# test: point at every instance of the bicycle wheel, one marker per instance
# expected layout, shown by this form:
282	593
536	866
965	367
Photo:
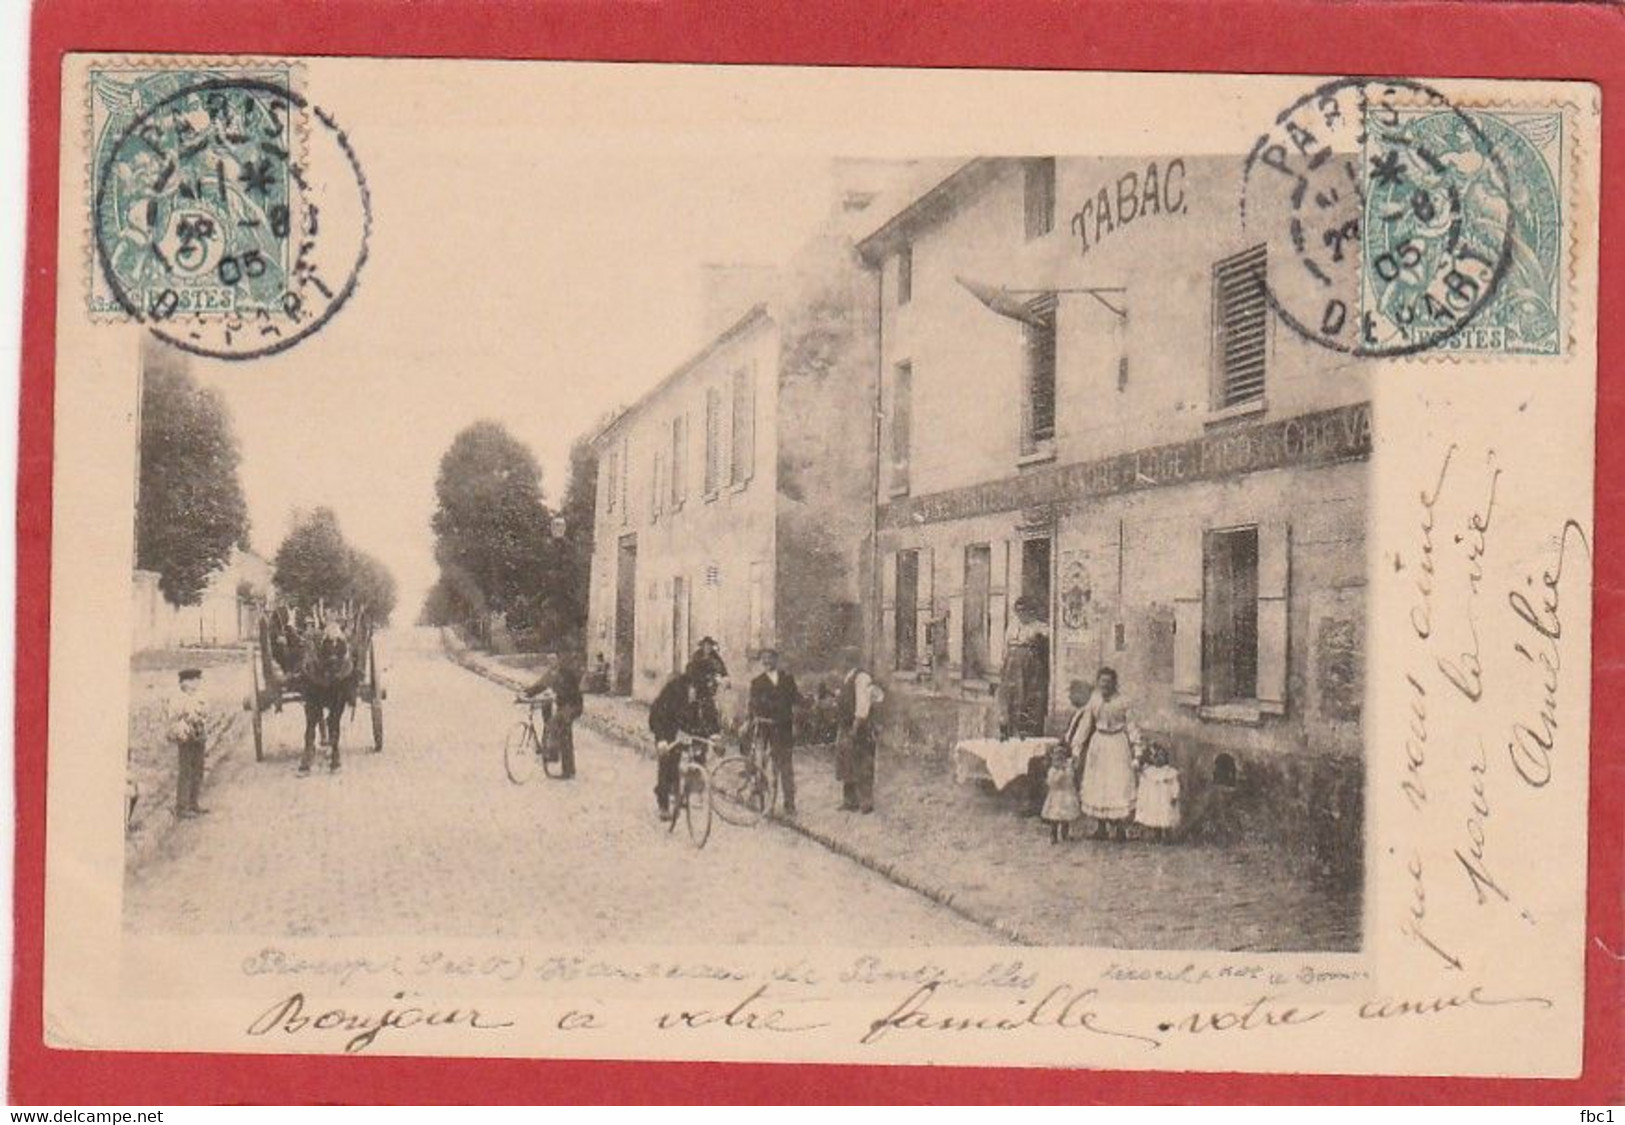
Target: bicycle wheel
552	757
697	806
519	753
736	791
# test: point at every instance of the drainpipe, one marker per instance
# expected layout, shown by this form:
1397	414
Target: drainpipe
871	634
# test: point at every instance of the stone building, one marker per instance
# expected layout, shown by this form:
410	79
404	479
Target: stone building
1087	400
736	497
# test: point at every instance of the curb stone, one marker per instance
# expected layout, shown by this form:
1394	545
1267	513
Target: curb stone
632	740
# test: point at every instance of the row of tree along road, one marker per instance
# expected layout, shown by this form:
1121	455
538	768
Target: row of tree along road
513	571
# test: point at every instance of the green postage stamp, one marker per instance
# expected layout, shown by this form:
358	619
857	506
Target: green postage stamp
1480	191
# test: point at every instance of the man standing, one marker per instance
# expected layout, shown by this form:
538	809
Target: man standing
773	702
855	751
679	709
558	732
189	730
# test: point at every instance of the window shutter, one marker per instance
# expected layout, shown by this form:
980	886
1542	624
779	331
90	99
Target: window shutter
998	608
1188	618
925	607
888	610
955	579
1241	317
744	424
1274	580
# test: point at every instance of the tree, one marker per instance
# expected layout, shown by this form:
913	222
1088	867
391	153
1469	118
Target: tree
190	511
492	528
315	564
579	509
373	586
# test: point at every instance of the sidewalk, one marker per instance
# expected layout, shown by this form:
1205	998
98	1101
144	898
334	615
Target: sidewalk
971	849
152	762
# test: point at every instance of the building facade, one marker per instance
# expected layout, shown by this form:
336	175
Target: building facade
735	498
1087	401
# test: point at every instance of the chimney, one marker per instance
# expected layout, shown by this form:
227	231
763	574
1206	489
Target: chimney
728	290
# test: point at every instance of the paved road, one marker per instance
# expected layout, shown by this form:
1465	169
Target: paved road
429	837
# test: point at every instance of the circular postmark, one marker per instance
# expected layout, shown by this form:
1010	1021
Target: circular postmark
1386	212
231	217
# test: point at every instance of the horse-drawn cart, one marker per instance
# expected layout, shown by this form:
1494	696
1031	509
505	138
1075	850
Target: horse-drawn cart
328	666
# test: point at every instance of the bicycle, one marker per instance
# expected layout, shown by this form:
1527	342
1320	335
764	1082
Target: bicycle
745	788
525	746
692	800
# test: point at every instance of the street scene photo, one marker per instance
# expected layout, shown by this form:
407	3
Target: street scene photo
795	549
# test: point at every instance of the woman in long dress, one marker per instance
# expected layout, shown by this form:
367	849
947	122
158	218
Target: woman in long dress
1110	741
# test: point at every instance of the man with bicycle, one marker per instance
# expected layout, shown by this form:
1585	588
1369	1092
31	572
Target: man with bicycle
680	711
773	715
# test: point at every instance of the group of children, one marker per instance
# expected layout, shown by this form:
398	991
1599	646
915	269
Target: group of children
1102	769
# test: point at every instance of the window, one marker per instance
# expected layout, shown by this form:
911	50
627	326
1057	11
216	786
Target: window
1239	320
1040	196
713	440
625	472
612	487
1038	358
905	275
902	423
1230	615
978	589
1035	569
657	492
907	633
744	424
679	460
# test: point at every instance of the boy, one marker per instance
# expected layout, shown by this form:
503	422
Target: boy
189	730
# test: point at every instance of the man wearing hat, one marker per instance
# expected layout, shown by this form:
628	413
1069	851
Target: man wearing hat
773	700
189	730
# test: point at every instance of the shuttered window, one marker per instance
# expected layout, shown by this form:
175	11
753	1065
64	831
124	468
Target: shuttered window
612	486
1240	316
713	440
905	275
744	424
679	460
1038	353
626	473
1230	612
902	423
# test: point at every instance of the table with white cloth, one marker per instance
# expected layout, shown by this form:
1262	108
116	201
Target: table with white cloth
1002	760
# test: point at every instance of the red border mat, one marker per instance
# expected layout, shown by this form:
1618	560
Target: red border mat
1441	39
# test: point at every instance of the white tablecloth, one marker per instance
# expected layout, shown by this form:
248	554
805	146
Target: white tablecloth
1003	761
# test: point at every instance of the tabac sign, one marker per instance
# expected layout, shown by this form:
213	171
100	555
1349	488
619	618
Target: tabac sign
1322	438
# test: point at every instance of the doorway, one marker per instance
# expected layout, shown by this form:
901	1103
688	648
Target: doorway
626	604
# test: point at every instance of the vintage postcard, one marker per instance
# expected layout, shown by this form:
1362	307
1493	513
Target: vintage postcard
635	561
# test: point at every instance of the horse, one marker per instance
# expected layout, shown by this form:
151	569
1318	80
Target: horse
327	684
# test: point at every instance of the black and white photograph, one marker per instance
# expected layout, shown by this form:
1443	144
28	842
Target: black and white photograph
582	538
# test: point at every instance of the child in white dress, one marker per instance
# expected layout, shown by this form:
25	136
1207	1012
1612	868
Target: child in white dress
1061	806
1156	802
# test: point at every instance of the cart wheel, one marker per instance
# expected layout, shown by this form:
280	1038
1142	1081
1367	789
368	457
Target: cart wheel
256	716
377	727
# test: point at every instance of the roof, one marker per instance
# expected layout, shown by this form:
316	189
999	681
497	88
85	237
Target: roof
930	206
756	313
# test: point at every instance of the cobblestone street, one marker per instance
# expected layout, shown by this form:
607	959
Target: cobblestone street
429	837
